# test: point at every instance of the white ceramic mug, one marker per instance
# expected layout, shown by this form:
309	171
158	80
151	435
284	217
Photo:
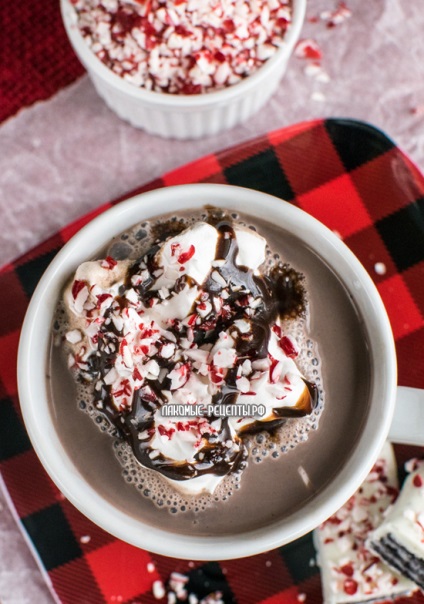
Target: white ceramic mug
377	425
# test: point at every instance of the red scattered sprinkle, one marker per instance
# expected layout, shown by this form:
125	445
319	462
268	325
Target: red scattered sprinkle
229	25
124	405
185	256
124	390
219	56
418	110
190	88
216	375
273	377
373	561
350	587
137	375
182	426
347	570
122	346
277	330
226	312
392	491
339	15
147	394
79	360
166	431
174	248
243	301
418	481
288	348
147	333
109	263
208	325
308	49
77	287
184	374
102	298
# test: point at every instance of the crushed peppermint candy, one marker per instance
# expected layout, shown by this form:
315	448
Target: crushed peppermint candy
183	46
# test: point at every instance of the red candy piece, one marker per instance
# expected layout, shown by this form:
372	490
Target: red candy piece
418	481
185	256
77	287
350	587
288	348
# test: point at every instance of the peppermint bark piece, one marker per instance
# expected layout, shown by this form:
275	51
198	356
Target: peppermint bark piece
350	572
399	540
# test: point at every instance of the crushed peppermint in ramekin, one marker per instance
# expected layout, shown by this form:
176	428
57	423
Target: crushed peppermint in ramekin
183	46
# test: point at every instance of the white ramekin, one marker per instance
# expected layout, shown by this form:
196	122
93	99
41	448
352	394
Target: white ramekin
185	116
66	469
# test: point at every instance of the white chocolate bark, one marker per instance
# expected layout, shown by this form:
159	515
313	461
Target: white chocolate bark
403	528
350	572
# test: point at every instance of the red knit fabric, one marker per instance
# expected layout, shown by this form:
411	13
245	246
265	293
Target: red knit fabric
36	59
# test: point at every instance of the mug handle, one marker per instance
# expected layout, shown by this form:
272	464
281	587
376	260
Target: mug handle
408	420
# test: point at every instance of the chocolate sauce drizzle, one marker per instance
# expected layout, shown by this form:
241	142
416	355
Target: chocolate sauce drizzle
280	293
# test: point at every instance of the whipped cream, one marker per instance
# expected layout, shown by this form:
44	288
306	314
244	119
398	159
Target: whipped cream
192	322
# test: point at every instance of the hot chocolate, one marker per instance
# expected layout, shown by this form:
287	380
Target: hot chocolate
332	321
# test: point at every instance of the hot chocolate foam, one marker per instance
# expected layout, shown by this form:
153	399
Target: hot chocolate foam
183	326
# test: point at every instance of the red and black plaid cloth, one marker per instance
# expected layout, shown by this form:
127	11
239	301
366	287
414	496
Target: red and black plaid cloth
355	180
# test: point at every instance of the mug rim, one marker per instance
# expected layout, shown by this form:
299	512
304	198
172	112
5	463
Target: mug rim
35	342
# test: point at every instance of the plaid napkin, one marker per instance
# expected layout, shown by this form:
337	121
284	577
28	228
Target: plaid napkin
348	175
